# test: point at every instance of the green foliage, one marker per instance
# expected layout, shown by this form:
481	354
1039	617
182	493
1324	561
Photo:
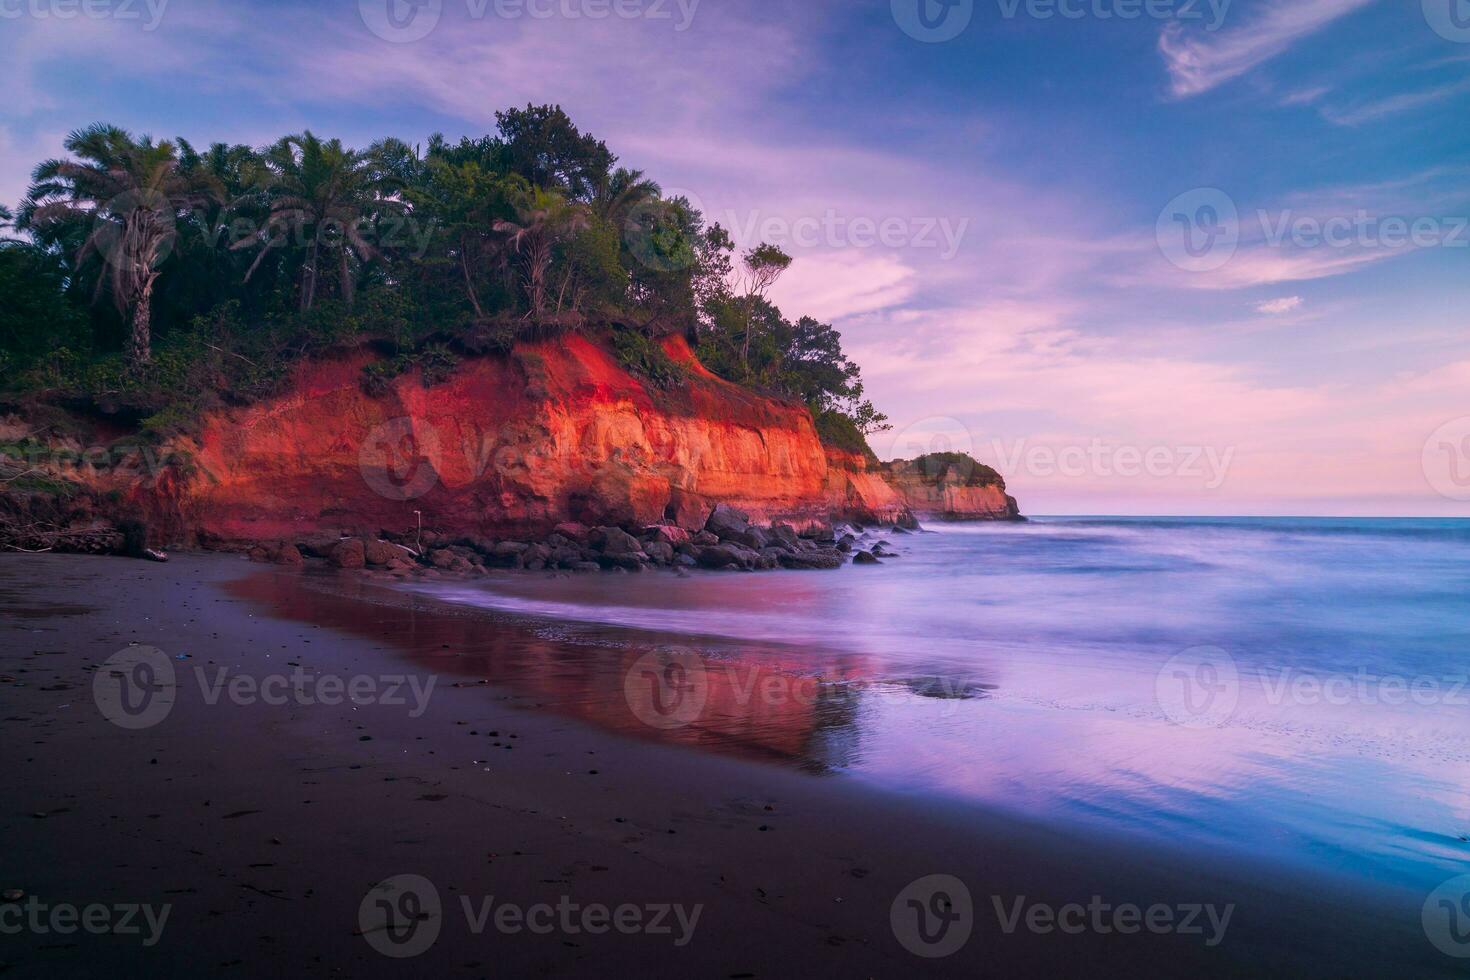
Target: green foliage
645	358
255	258
958	468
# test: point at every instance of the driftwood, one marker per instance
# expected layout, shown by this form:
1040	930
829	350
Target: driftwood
97	538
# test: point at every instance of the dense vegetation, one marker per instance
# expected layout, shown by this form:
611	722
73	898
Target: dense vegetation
158	276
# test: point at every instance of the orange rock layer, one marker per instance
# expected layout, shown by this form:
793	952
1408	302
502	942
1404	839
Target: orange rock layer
512	444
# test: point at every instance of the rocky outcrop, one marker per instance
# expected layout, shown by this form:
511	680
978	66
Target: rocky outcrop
509	448
951	487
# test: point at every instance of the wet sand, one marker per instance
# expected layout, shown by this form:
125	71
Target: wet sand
529	776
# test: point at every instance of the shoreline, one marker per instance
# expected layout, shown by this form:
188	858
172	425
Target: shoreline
265	826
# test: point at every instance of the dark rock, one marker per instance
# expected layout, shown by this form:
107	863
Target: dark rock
586	566
865	558
573	531
348	554
846	542
287	554
784	535
812	559
660	551
615	541
705	538
727	522
442	558
720	556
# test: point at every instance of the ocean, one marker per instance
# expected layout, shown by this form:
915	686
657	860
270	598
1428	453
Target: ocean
1292	691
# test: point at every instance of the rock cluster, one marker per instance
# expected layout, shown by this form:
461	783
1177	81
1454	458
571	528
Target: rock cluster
728	541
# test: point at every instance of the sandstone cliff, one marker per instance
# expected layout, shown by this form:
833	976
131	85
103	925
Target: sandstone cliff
504	444
951	487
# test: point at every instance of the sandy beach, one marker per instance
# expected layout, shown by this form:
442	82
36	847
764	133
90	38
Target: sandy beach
253	821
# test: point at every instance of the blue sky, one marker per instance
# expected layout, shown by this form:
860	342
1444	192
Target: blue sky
996	221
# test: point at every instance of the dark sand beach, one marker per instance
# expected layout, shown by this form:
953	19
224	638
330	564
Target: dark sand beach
525	775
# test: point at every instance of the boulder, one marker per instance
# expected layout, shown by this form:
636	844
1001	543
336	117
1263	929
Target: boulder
705	538
669	534
865	558
720	556
688	510
727	522
348	554
754	538
846	542
287	554
812	559
660	551
784	535
573	531
381	552
443	558
510	549
615	541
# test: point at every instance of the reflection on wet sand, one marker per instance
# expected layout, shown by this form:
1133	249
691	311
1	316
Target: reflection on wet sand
798	706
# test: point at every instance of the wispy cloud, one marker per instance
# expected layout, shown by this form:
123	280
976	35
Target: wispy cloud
1382	108
1199	61
1276	307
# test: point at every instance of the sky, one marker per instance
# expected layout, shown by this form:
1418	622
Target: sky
1143	256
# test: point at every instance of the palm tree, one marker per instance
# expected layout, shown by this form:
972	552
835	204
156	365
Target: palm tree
620	192
545	218
132	193
322	193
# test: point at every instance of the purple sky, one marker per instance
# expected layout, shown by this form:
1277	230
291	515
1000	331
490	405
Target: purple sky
1211	260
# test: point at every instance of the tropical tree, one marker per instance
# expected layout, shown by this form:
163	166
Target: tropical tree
763	265
321	196
544	218
132	193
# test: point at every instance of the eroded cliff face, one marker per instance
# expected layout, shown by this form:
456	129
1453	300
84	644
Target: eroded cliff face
506	445
555	431
950	493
